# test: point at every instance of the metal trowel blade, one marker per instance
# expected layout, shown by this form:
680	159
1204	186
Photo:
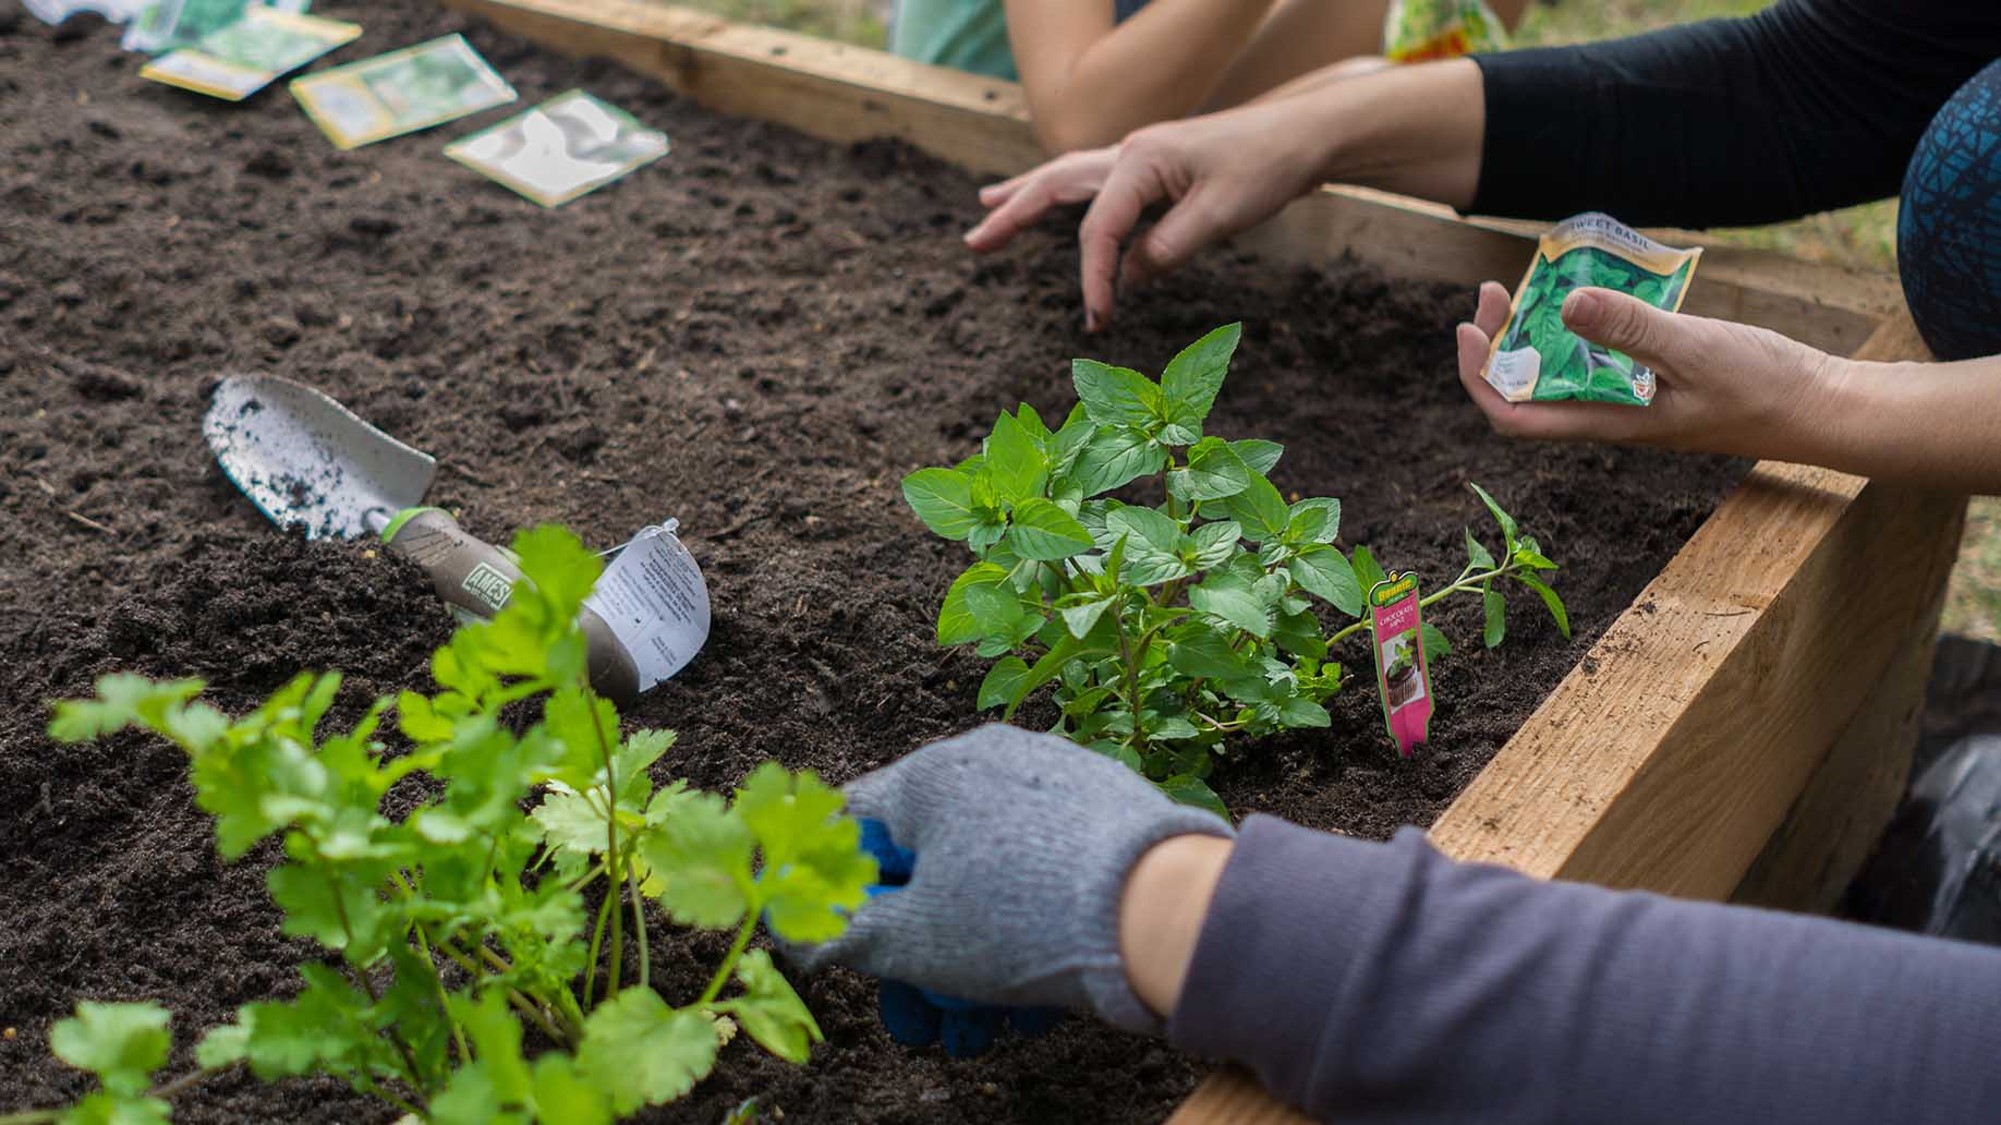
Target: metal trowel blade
307	461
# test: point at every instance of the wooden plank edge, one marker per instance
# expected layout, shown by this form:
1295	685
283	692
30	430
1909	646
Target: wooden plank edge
847	93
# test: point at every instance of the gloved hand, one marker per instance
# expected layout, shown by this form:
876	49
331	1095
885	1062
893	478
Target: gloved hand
1022	843
917	1017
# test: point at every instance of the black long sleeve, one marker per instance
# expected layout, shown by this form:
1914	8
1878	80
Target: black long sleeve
1383	983
1806	106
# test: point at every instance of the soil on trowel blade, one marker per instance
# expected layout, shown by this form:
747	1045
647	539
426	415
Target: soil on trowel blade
759	335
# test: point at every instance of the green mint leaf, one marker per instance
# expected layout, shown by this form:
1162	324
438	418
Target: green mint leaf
1368	573
1232	600
1321	571
1115	457
815	872
1300	714
1299	634
1014	458
956	623
123	1044
1507	522
1002	686
1214	472
1259	509
1205	653
1497	615
1215	543
1436	647
1314	520
1258	456
1147	526
771	1011
1080	617
1191	790
1045	532
1549	598
1476	554
702	855
641	1052
943	499
1193	377
1116	396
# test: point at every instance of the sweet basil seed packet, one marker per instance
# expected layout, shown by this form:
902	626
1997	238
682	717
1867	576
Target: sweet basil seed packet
1536	359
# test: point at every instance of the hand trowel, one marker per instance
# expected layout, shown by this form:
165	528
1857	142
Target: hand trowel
308	462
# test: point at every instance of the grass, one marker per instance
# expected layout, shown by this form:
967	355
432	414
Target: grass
1858	237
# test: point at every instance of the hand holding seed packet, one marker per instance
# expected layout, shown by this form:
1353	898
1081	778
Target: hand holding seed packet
401	92
568	146
242	58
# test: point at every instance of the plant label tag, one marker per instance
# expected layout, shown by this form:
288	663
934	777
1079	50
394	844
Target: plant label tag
1403	680
653	597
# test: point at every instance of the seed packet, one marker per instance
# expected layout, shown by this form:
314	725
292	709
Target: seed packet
163	25
1420	30
242	58
401	92
1536	359
1403	678
567	146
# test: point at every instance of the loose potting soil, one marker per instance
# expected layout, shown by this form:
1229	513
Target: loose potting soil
759	335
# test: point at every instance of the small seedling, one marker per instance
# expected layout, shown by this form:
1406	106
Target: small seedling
1165	629
453	931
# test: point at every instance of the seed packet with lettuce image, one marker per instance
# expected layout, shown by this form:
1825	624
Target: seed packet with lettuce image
1422	30
1536	359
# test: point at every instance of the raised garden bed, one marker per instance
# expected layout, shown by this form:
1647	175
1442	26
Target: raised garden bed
760	336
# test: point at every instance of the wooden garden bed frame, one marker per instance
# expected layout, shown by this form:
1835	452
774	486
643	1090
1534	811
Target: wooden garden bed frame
1742	731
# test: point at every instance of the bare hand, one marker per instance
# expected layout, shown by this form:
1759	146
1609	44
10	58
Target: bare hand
1722	387
1222	173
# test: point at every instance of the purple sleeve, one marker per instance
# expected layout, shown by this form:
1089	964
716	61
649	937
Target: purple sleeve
1386	983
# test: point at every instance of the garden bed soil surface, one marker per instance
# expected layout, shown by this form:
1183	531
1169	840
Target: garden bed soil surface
760	336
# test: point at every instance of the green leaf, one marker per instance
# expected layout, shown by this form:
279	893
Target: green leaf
106	1108
1476	554
1115	457
122	700
224	1045
1003	686
1367	572
1321	571
1044	531
1497	615
771	1011
1259	456
1191	790
1215	543
1014	457
1228	597
1145	525
1314	520
1214	472
569	821
1507	522
641	1052
956	623
1260	509
815	873
1194	376
943	499
1205	653
702	857
1297	713
1549	598
563	1095
1436	647
123	1044
1116	396
1080	618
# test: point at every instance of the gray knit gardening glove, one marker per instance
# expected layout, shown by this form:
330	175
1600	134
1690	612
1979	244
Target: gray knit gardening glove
1022	844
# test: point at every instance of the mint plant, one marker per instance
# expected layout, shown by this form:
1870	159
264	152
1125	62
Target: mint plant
454	934
1165	630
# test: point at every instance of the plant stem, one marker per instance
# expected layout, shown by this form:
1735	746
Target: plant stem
597	942
611	857
1462	583
730	959
33	1117
639	924
444	1001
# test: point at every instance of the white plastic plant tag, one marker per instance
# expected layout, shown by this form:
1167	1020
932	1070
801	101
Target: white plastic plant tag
653	597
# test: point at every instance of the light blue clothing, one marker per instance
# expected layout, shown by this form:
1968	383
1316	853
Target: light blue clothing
968	35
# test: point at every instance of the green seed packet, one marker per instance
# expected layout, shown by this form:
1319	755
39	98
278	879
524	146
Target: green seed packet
1535	358
567	146
1423	30
163	25
400	92
242	58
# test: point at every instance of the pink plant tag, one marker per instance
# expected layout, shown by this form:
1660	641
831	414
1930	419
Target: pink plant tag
1403	681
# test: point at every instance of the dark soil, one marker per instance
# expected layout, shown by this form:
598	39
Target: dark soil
759	336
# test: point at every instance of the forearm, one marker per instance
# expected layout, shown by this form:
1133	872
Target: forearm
1935	424
1385	983
1089	83
1417	130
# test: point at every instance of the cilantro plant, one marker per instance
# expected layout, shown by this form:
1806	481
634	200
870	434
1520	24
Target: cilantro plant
467	977
1167	628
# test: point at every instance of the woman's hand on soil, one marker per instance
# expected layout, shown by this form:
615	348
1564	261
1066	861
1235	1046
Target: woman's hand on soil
1220	174
1722	387
1023	845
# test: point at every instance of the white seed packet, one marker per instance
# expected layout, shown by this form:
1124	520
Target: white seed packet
567	146
653	597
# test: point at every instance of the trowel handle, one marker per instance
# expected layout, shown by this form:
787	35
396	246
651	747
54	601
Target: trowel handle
478	577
